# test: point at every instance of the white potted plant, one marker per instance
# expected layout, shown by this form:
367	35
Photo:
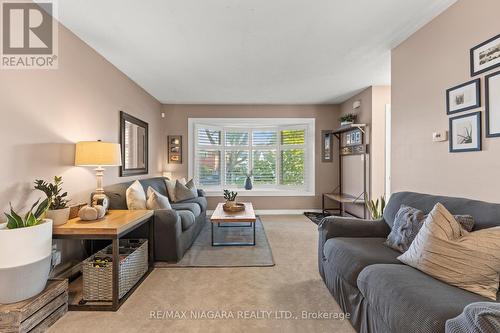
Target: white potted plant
26	248
58	210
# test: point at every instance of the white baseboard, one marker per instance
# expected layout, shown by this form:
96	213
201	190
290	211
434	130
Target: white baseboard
279	211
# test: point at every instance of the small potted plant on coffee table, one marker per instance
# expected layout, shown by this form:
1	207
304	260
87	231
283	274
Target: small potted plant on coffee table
58	210
230	197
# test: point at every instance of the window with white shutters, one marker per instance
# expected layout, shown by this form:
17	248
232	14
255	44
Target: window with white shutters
279	158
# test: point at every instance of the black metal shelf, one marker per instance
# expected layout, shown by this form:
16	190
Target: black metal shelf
337	194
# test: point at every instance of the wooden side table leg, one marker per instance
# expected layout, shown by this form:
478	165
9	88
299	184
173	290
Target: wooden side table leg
116	267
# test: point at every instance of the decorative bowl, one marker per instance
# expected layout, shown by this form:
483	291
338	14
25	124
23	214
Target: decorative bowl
236	207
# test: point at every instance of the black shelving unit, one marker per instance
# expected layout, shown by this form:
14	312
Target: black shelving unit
337	194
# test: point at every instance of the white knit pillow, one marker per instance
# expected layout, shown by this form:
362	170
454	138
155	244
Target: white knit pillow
136	198
446	251
157	200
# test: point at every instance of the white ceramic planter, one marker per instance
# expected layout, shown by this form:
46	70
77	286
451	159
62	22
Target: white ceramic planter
58	216
25	255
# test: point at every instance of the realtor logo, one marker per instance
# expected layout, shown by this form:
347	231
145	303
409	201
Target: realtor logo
29	35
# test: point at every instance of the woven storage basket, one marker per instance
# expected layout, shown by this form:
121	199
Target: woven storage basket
97	281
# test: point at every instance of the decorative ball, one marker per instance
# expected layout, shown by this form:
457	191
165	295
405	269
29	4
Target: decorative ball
101	211
88	213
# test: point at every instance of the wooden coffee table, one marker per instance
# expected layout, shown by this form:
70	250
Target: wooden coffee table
219	217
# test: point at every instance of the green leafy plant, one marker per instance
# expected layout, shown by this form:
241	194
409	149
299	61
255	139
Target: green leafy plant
230	195
350	117
376	207
53	192
31	218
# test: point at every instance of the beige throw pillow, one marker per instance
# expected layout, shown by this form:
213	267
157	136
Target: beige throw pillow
156	200
182	192
467	260
136	198
171	187
190	185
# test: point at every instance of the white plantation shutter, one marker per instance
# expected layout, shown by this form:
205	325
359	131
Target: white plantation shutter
208	169
237	162
264	138
264	167
292	159
293	137
292	167
236	138
209	137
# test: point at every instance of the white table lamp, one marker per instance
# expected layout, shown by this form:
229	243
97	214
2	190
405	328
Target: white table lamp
98	154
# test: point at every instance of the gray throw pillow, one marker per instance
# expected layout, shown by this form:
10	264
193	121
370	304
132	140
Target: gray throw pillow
182	192
190	185
407	224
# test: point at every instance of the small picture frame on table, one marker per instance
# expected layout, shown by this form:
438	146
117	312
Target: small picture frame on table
464	97
465	133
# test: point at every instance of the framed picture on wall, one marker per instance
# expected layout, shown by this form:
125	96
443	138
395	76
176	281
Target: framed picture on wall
327	146
485	56
464	97
493	105
465	133
175	149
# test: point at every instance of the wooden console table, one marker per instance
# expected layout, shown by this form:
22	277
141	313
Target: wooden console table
112	227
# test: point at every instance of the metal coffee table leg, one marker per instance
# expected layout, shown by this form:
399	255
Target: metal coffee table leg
235	243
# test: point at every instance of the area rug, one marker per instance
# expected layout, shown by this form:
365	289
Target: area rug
203	254
316	217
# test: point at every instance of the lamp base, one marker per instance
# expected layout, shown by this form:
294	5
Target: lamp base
100	199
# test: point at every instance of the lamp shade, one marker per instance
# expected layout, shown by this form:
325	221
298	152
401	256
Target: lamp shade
97	153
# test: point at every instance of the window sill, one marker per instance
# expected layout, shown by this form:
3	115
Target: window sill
261	193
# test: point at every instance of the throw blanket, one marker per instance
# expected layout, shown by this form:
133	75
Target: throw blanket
480	317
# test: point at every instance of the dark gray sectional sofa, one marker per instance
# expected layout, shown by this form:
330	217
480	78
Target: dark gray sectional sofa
174	229
382	294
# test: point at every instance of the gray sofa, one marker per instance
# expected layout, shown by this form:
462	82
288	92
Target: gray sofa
380	293
174	229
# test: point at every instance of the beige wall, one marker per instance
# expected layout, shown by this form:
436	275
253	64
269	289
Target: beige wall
326	116
423	67
44	112
381	96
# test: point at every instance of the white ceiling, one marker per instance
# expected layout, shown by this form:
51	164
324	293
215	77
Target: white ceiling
244	51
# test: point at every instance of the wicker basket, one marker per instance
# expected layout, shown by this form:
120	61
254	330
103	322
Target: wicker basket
97	281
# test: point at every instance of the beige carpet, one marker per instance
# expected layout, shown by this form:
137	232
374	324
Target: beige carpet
203	254
293	285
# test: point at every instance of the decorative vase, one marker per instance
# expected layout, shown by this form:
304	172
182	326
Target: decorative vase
248	184
58	216
25	270
231	203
